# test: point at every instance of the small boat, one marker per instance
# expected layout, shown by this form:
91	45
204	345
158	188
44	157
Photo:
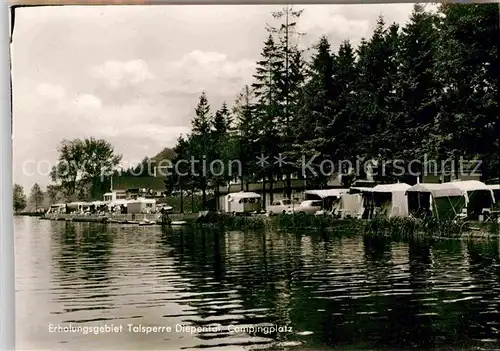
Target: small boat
146	221
178	223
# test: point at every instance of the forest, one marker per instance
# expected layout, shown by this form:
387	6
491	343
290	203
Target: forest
425	90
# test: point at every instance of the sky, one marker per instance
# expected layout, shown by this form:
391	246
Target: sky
133	74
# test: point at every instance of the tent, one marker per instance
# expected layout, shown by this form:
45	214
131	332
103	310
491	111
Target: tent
392	197
478	196
446	200
437	190
324	193
351	205
496	191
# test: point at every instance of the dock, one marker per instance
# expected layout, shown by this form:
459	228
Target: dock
119	218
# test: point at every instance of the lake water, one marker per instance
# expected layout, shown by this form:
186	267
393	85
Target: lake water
318	291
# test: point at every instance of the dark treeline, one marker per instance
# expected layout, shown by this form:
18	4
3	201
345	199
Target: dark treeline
427	89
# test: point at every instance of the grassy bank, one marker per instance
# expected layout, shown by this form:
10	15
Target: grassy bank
380	226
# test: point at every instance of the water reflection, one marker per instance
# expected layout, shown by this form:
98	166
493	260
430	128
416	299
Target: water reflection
332	290
84	251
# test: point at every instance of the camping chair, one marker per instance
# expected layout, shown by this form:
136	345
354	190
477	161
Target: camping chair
462	214
487	216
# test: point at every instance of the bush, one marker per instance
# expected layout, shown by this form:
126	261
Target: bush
397	227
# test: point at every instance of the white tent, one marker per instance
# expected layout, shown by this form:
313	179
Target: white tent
391	188
437	190
324	193
472	185
399	201
455	190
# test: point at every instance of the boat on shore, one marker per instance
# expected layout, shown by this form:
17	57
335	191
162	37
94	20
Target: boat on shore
178	223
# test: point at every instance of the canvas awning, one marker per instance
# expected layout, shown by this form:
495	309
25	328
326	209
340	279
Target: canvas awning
437	190
243	194
390	188
324	193
75	204
470	185
361	189
473	185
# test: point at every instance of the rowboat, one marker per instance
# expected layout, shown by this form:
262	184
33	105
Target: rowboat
178	223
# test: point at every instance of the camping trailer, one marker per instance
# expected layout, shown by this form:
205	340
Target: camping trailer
141	205
242	202
77	207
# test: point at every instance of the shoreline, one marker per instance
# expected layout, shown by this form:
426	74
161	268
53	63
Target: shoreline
377	227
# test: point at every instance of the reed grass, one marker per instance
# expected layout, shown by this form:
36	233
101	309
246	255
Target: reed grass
397	227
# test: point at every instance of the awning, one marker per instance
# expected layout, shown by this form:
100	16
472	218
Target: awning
243	194
360	189
390	188
437	190
324	193
473	185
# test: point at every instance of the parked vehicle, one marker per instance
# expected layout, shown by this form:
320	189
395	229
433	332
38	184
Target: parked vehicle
280	206
141	206
308	207
242	202
164	208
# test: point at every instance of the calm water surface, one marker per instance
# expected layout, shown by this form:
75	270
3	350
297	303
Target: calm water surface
325	292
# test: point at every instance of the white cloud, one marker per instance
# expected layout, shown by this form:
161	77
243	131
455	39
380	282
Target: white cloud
318	21
134	74
50	91
118	74
85	101
209	71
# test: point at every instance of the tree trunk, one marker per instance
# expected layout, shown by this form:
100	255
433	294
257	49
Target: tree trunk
192	199
264	193
182	200
204	197
217	191
289	186
271	183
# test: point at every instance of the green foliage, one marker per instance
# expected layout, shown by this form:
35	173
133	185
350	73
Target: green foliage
54	193
19	198
188	204
36	196
427	88
407	228
84	167
468	69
